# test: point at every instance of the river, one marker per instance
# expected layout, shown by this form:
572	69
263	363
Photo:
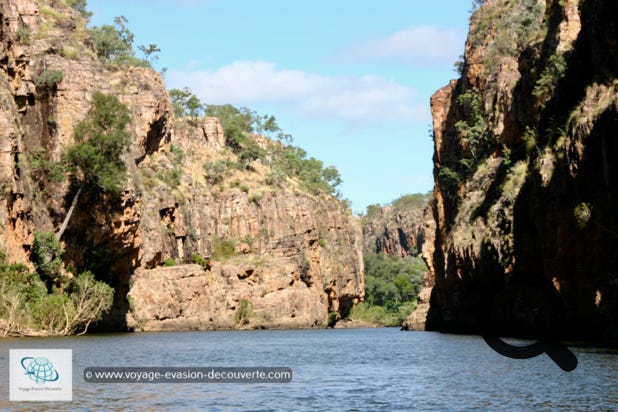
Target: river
352	370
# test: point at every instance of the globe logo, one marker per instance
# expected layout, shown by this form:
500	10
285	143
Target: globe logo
39	370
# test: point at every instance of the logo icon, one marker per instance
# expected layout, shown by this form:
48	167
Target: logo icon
40	375
40	370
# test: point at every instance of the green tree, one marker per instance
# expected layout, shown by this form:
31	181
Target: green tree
96	159
80	6
47	257
413	201
26	304
331	176
149	53
43	170
391	287
194	107
373	212
473	130
49	80
245	120
311	173
185	103
114	43
238	125
179	101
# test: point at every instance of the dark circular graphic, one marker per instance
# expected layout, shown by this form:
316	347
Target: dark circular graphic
537	304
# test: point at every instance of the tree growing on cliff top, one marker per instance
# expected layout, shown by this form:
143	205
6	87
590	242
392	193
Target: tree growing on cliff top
185	103
149	52
114	44
96	160
80	6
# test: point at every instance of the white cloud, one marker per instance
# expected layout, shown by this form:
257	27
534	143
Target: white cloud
245	82
369	98
417	44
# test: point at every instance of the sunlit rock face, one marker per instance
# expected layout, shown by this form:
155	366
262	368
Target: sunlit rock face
293	257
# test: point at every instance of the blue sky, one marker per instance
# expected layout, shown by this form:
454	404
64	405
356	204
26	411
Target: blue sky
349	80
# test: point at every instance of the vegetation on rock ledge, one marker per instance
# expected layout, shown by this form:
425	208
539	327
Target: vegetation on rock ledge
241	127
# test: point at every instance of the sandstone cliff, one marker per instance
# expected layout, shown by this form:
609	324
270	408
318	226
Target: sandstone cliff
288	257
395	229
524	177
291	256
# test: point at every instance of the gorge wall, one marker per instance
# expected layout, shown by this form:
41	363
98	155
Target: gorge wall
396	229
180	251
525	178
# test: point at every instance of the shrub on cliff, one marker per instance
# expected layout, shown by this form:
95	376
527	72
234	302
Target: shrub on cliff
47	257
80	6
514	25
96	159
412	201
473	130
44	170
243	313
185	103
244	120
48	80
288	160
26	305
285	160
114	44
311	173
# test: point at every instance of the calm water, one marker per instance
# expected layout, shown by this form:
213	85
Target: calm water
364	369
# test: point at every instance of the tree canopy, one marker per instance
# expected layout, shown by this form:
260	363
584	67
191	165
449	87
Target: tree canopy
102	139
96	160
185	103
391	288
114	44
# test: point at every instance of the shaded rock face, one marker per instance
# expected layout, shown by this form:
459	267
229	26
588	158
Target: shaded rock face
542	198
291	255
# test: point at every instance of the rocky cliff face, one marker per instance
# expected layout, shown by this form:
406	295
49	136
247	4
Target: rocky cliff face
525	186
292	257
286	256
394	231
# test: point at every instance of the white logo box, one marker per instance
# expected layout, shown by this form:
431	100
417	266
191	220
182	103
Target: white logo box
41	374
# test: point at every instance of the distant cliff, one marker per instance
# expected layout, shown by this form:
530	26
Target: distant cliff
395	229
182	250
393	237
525	181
